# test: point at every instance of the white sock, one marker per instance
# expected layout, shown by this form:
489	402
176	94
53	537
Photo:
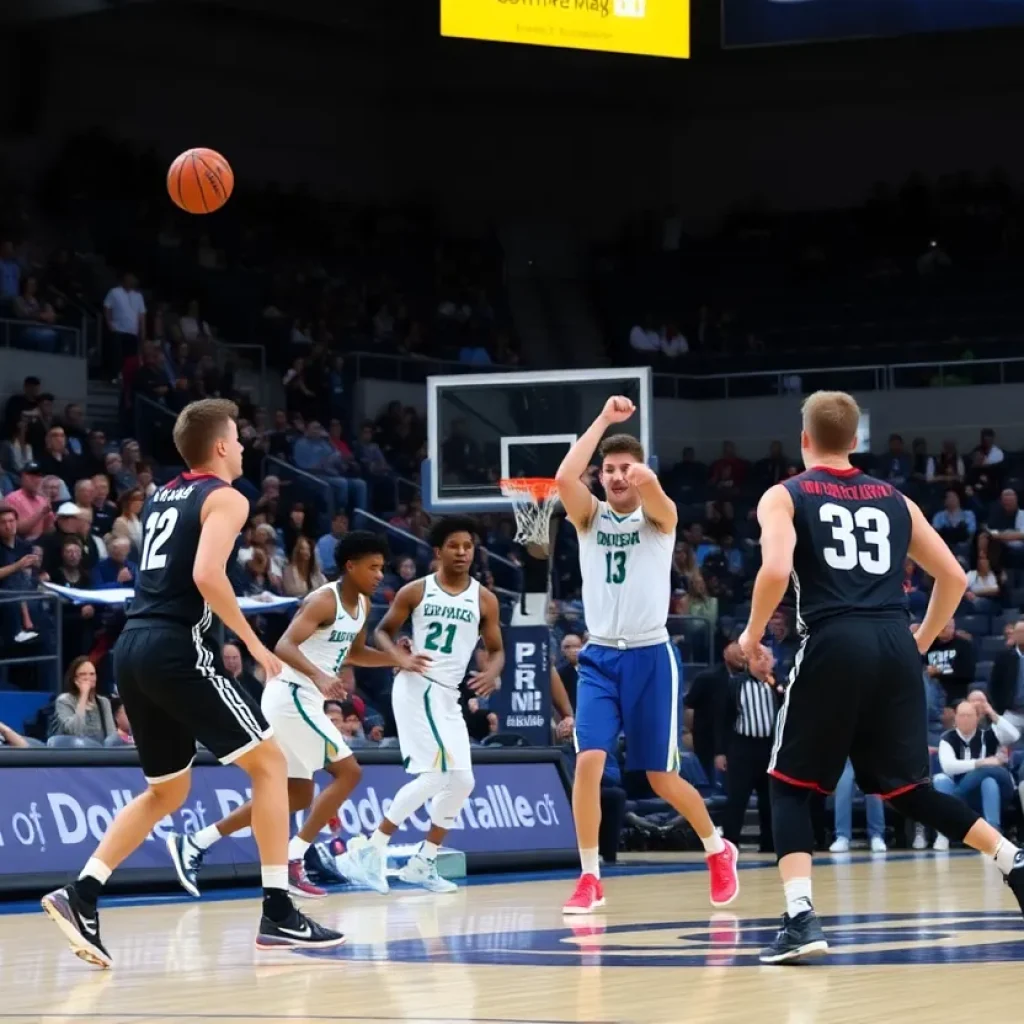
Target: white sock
96	869
1005	852
275	878
297	847
798	896
428	850
590	862
380	839
713	843
205	837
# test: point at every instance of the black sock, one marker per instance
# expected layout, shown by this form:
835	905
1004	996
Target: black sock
89	889
276	905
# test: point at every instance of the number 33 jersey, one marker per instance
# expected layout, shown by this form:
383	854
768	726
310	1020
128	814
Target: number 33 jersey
171	523
852	537
626	564
447	627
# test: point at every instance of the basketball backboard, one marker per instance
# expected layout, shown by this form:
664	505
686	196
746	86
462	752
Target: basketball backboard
482	428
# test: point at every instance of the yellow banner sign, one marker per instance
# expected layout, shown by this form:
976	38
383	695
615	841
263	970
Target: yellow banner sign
655	28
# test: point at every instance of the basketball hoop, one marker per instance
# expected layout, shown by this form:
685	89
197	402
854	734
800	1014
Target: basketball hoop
533	502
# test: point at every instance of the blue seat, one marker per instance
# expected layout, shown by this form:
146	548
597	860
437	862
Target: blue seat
983	671
976	625
992	647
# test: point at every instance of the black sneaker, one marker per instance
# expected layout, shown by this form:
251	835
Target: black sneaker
799	937
1015	879
321	867
187	859
80	923
297	932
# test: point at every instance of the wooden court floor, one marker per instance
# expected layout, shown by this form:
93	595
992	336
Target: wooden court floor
911	934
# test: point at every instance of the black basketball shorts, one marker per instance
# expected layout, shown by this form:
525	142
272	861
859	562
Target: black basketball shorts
856	691
176	692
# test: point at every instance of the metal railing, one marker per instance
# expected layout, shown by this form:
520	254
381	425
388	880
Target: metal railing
49	642
285	471
409	369
53	339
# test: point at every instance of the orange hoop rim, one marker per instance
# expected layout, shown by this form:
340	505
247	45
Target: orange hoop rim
540	488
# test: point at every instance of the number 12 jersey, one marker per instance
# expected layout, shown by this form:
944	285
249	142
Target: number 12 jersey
852	537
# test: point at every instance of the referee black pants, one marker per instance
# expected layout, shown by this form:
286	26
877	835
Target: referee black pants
747	772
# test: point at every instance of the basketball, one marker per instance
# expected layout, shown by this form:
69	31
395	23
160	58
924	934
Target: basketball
200	181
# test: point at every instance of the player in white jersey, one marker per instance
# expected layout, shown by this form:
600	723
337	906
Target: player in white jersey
329	631
450	613
628	681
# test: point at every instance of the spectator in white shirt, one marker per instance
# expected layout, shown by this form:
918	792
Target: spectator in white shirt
991	453
125	311
644	337
192	325
673	344
983	587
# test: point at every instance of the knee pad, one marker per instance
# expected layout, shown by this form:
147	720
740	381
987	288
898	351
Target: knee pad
792	829
948	815
448	802
413	795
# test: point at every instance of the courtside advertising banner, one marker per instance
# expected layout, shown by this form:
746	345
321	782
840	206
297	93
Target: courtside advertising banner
650	28
51	818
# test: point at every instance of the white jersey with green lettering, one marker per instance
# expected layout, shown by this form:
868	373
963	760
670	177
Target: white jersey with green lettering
447	627
328	646
626	564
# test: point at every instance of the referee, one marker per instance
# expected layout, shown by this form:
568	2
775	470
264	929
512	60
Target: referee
744	748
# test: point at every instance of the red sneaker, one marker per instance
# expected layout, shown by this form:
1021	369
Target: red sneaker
725	879
589	895
299	883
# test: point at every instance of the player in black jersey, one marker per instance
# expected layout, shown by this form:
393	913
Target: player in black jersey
855	691
176	691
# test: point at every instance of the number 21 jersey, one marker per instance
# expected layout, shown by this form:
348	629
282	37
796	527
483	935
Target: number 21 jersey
171	524
852	537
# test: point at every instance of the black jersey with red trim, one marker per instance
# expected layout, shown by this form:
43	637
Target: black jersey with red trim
171	524
852	537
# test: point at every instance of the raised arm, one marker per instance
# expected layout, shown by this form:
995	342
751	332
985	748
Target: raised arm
930	552
578	502
778	541
319	609
658	507
483	683
223	516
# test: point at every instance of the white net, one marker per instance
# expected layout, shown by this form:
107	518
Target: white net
533	502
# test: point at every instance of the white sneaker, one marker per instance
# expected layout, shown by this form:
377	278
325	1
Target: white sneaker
423	872
364	864
24	635
841	845
941	844
878	845
920	839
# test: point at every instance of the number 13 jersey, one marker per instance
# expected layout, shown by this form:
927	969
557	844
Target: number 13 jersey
626	564
852	537
447	627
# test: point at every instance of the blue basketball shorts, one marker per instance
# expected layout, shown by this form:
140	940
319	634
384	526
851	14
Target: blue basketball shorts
636	692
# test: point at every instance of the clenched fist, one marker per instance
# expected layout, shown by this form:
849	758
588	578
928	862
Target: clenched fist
617	409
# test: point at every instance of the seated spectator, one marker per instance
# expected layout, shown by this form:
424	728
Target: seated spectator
984	588
985	473
973	768
376	469
57	461
315	453
79	710
700	604
104	511
18	572
131	456
95	454
328	542
1006	685
896	465
56	491
950	661
231	655
71	524
298	524
873	808
915	586
144	476
947	466
728	471
480	723
35	516
347	721
16	452
269	501
116	570
1006	530
257	578
956	525
1006	727
128	524
301	575
28	306
688	473
12	739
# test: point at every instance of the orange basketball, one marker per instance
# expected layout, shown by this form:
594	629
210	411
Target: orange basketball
200	181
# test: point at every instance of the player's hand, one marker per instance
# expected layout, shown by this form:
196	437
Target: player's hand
617	409
564	728
325	683
417	664
760	659
268	661
639	474
483	683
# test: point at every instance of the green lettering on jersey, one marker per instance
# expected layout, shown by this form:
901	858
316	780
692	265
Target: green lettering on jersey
447	611
618	540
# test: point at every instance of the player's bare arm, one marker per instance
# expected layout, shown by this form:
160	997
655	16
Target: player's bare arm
386	634
932	553
659	509
361	656
778	542
483	683
224	514
575	495
317	611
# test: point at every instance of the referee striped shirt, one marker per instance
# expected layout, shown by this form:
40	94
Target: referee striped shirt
755	716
